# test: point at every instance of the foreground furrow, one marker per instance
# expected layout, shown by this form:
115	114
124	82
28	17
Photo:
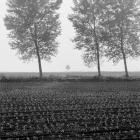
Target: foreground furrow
64	111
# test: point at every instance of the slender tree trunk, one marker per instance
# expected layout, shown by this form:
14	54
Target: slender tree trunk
96	41
37	52
125	63
122	44
98	52
97	48
98	60
39	60
123	53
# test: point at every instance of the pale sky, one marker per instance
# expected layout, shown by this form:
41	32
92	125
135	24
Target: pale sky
67	55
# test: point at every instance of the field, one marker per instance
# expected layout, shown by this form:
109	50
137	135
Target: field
65	74
70	110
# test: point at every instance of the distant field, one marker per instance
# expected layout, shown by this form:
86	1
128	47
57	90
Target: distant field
65	74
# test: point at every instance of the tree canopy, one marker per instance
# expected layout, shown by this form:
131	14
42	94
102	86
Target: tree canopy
34	26
108	28
86	20
121	30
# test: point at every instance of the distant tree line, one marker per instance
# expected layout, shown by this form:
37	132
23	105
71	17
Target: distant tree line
104	29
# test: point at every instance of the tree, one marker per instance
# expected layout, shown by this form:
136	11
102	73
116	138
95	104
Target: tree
86	21
34	26
121	30
68	67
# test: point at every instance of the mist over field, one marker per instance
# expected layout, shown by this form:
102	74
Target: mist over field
66	74
90	90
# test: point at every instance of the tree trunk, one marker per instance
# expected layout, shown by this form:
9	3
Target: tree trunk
123	53
125	63
98	52
39	60
98	60
97	49
37	51
122	44
96	41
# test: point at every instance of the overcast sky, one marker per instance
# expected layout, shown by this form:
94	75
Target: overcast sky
67	55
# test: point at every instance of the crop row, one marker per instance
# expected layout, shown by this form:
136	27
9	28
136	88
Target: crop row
65	113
